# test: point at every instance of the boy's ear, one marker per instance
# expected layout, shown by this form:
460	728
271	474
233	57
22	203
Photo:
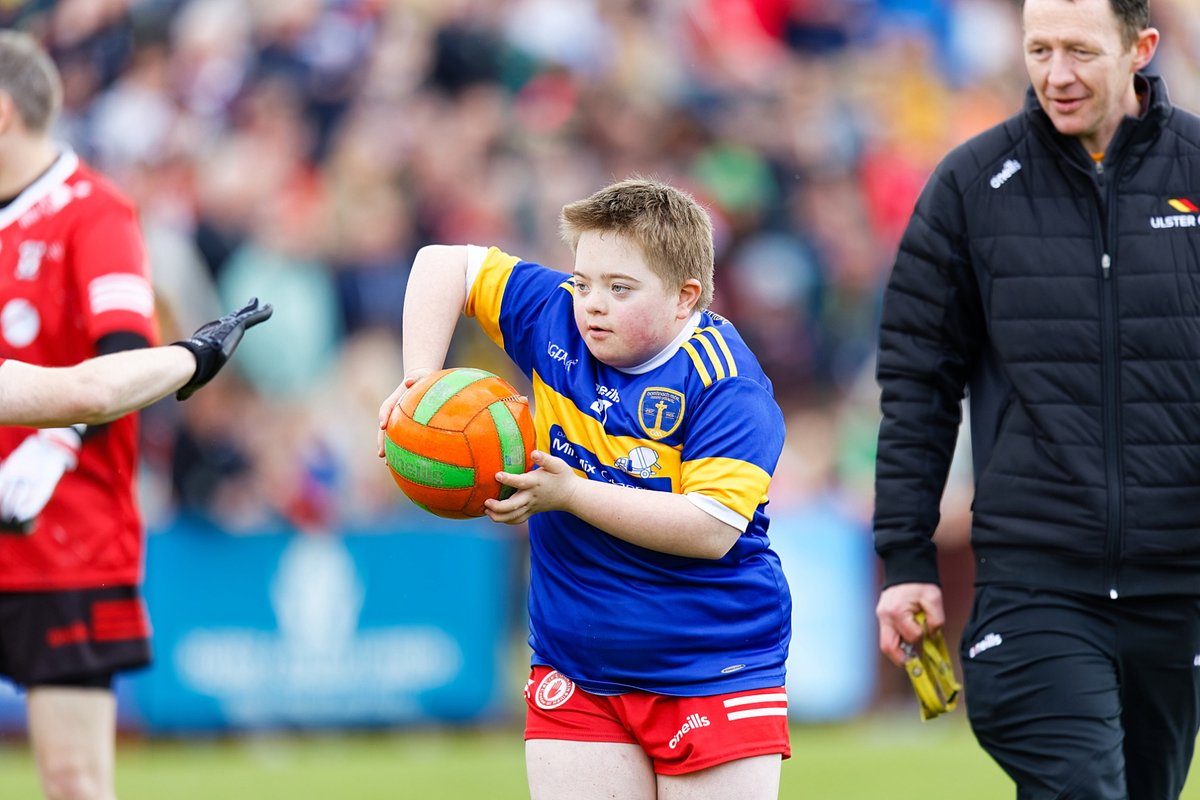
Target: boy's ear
689	295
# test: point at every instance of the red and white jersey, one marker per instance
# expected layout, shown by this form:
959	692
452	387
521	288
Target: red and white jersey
73	268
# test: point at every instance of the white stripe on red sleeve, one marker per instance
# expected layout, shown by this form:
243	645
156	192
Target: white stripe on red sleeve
120	291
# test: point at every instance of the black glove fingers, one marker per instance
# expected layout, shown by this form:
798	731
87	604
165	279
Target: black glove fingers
215	342
261	314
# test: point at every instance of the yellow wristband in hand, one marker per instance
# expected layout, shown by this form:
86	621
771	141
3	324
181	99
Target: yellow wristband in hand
931	673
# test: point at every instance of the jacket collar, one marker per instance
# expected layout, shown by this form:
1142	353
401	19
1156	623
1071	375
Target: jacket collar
1132	132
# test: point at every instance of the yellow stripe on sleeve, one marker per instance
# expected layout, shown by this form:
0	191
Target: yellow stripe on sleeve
720	340
712	354
487	293
699	362
737	485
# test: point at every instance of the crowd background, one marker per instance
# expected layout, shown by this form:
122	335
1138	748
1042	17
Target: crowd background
302	151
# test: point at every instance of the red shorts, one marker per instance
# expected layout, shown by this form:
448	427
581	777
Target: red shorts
679	734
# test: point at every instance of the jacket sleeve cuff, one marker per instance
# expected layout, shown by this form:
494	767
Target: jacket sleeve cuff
910	566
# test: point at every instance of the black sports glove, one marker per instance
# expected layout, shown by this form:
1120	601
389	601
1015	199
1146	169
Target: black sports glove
215	342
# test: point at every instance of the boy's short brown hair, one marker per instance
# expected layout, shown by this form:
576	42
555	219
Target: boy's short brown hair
672	230
29	77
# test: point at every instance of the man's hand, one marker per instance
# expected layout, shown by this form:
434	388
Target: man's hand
897	613
549	486
214	343
30	474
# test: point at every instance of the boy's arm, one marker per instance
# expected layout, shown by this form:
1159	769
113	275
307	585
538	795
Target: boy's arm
662	521
433	302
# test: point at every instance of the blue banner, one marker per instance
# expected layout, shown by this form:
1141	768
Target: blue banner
829	560
291	630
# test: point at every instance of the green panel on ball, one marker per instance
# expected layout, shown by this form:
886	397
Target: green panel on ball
426	471
512	446
443	389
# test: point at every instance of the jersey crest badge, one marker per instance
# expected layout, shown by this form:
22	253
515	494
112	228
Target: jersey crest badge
660	411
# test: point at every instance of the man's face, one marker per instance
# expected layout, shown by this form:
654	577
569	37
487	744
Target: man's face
1081	68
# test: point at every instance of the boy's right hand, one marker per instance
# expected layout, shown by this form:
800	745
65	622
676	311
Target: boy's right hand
385	410
549	486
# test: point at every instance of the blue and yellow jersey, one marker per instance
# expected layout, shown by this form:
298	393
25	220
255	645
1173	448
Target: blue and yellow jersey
700	420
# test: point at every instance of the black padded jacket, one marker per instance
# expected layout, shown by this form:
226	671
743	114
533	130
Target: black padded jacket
1062	297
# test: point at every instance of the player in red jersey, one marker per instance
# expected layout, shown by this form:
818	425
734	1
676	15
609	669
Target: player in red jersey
74	285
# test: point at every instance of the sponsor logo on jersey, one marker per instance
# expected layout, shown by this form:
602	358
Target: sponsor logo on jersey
29	259
20	322
600	409
1010	168
986	643
1186	218
749	706
609	393
554	690
733	668
660	411
693	722
54	201
560	355
606	396
641	461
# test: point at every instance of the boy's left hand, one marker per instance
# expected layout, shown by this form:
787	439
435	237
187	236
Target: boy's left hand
547	487
385	410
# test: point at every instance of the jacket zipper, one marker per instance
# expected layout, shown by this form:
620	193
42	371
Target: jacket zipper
1110	377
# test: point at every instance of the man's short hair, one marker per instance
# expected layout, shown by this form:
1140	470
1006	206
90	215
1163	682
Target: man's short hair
29	77
1134	16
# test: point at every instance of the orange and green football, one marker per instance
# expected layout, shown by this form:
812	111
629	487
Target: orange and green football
449	435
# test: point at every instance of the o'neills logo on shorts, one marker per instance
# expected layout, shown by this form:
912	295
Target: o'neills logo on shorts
554	690
693	722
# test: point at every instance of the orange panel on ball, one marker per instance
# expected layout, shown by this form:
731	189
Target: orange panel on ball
449	435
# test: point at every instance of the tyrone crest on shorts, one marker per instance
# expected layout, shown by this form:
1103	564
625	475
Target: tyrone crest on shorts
553	690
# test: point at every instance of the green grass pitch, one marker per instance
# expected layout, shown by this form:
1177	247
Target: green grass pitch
894	757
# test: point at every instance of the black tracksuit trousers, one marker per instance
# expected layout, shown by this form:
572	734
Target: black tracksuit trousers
1084	697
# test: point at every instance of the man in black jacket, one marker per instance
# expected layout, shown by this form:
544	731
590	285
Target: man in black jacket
1051	272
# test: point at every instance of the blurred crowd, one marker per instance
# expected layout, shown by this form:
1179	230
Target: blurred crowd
302	151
